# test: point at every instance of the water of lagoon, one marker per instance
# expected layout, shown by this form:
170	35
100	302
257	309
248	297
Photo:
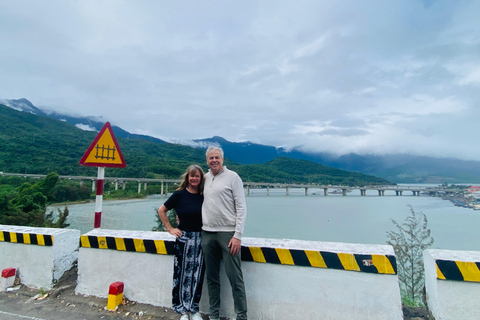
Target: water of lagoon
333	218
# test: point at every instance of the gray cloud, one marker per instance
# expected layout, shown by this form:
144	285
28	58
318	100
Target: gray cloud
343	76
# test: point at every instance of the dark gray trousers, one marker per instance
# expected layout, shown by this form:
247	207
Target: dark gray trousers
215	247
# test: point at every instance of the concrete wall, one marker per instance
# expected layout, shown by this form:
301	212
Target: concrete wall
147	277
285	279
41	255
452	282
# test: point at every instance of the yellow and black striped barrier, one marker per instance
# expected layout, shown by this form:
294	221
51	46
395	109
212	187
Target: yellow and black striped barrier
26	238
458	270
128	244
371	263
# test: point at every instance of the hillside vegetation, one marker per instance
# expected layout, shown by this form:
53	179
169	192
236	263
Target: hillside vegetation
287	170
36	144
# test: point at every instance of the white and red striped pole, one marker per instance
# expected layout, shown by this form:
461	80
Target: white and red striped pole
99	197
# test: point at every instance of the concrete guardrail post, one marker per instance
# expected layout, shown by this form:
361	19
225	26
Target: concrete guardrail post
452	283
40	255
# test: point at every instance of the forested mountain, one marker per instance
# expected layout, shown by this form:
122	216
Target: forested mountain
397	168
283	169
90	123
31	143
37	144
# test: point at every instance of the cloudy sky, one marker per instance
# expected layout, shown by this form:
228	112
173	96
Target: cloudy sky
372	76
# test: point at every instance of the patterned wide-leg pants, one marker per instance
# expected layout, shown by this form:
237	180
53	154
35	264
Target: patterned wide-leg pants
188	272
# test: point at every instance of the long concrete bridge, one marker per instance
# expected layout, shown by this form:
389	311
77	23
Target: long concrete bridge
116	180
344	190
414	190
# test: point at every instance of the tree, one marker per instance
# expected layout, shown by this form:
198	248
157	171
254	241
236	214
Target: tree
409	241
27	205
60	222
34	197
9	214
172	218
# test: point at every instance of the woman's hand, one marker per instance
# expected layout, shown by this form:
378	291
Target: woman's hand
162	213
175	232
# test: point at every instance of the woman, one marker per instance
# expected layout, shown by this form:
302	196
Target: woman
189	267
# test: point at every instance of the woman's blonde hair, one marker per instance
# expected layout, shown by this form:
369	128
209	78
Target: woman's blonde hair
193	169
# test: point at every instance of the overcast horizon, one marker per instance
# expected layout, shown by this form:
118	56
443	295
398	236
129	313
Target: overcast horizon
368	77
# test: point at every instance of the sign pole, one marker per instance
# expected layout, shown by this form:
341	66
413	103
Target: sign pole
99	197
103	152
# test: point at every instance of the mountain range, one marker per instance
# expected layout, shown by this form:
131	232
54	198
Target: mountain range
397	168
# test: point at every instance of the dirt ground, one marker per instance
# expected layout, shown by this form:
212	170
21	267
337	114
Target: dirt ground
410	313
62	303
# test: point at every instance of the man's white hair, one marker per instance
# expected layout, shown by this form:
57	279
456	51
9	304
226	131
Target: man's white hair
214	148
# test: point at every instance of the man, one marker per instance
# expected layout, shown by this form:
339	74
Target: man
223	216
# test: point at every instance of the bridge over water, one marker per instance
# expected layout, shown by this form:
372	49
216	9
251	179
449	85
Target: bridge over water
414	190
344	190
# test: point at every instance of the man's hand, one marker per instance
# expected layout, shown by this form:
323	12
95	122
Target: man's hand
234	245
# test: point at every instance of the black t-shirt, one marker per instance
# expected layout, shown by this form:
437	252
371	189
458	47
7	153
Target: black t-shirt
189	209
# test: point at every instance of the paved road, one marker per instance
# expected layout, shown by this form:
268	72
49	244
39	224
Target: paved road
20	306
15	316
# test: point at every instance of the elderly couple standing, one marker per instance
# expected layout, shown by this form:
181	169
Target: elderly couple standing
211	210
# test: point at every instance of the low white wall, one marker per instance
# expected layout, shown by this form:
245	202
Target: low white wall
41	255
452	283
147	277
284	279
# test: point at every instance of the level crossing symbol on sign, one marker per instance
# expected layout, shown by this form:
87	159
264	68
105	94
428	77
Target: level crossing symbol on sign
104	151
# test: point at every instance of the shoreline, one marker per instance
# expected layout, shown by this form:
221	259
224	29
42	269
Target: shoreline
93	201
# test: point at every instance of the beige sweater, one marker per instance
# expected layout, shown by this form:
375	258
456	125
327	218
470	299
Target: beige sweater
224	207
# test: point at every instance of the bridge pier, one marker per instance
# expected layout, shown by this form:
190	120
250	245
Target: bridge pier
325	191
399	192
287	191
268	190
344	192
248	190
363	192
306	191
381	192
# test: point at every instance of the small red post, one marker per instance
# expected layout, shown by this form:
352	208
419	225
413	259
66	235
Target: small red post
7	279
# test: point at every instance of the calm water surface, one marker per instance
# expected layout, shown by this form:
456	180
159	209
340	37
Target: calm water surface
333	218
